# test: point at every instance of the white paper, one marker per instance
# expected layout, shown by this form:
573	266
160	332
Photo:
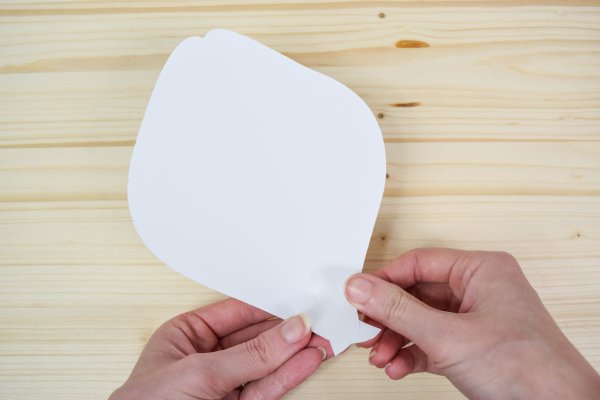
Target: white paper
259	178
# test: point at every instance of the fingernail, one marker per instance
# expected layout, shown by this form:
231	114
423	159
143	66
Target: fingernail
371	355
358	289
323	352
295	328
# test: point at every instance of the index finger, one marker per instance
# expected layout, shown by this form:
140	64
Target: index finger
431	265
228	316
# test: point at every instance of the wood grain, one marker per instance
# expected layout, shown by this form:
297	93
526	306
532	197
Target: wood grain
490	113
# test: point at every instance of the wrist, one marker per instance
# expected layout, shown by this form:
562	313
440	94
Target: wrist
115	395
529	369
124	392
552	373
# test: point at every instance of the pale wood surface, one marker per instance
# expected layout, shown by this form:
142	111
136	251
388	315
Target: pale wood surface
491	118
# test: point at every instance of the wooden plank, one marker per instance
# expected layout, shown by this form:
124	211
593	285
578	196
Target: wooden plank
532	227
80	294
503	73
414	168
141	6
491	116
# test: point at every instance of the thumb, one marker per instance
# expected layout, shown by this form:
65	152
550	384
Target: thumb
255	358
393	307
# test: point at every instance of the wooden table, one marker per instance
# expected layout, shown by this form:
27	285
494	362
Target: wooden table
491	118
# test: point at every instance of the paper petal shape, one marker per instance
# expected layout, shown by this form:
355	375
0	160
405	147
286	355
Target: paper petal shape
259	178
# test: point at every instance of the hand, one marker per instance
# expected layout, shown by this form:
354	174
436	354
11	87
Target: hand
474	318
209	353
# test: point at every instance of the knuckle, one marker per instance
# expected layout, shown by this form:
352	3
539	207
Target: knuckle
255	394
281	385
181	322
395	305
508	262
272	387
191	327
258	349
508	258
245	313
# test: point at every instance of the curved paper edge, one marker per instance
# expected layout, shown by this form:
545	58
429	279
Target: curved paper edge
366	332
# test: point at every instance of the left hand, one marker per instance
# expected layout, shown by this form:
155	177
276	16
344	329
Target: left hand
211	352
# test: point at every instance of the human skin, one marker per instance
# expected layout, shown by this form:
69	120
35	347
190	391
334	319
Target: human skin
472	317
211	352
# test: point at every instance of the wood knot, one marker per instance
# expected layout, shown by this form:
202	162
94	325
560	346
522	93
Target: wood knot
411	44
404	105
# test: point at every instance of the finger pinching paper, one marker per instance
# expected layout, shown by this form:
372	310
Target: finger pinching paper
260	178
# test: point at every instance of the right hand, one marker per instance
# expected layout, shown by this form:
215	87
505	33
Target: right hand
474	318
